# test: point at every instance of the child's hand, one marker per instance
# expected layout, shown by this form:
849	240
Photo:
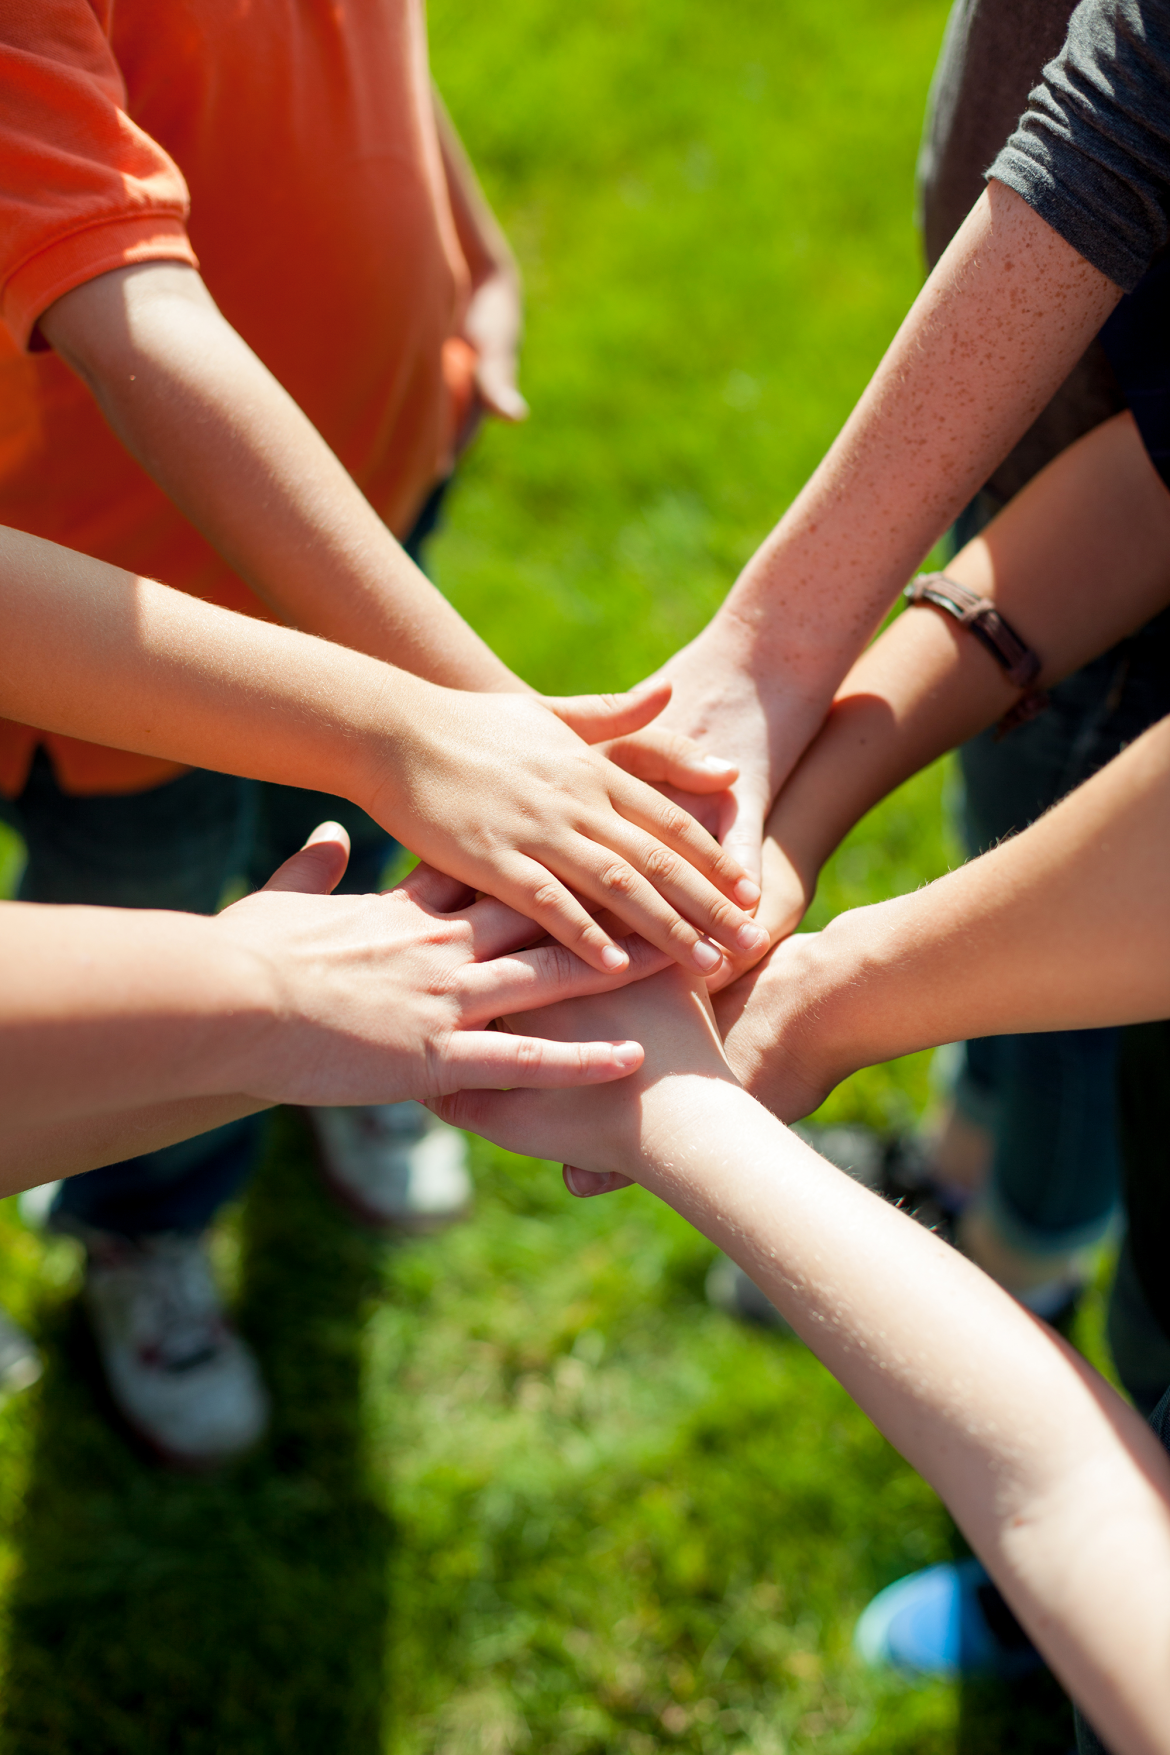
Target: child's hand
773	1032
612	1131
788	892
499	792
370	999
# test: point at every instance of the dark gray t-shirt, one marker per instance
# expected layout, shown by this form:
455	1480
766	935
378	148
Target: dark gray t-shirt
1091	155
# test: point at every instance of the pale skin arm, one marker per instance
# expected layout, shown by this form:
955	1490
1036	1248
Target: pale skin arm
201	413
1060	1487
1078	560
998	326
494	789
123	1030
1064	927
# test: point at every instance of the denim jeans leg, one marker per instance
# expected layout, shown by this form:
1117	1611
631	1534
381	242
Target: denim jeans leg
1055	1176
175	846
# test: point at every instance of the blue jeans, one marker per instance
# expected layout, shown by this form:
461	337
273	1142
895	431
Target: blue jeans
179	846
1049	1100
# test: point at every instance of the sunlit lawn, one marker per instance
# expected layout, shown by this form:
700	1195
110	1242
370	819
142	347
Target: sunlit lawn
525	1490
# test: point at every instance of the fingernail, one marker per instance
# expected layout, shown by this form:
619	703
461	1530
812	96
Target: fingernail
627	1055
707	958
751	937
612	959
715	765
746	893
570	1175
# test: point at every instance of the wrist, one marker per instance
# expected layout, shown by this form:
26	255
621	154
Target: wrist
250	1012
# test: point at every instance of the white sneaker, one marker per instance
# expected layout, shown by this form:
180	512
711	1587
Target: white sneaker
20	1363
178	1373
394	1165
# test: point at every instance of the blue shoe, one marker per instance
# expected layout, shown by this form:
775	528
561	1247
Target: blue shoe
947	1621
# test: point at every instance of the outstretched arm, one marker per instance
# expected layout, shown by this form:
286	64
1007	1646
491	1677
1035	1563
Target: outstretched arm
495	789
1079	559
121	1031
1060	1487
998	326
1064	927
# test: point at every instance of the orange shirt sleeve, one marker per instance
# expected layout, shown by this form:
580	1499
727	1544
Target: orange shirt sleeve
84	190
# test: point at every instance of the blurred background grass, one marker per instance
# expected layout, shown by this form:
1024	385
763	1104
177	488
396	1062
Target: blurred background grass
525	1491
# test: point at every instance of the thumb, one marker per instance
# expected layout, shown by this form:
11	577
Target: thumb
741	828
597	717
584	1183
496	382
319	865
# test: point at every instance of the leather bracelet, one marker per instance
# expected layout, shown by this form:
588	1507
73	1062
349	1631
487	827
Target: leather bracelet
980	616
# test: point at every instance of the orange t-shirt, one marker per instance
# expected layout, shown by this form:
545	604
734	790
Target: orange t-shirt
304	132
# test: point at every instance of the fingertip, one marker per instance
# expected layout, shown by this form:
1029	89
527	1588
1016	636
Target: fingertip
746	892
570	1176
706	956
329	831
628	1055
613	959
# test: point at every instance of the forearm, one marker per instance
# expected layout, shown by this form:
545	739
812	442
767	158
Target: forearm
211	424
96	653
104	1010
55	1149
1076	562
1065	926
996	329
1060	1487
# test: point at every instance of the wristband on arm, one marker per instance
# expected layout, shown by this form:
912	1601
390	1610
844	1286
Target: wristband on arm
980	616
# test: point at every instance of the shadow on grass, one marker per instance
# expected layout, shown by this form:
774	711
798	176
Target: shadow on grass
246	1611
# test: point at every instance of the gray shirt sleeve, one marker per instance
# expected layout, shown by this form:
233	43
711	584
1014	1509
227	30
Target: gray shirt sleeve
1091	154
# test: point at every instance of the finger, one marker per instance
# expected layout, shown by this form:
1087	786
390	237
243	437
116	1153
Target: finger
496	383
657	893
530	888
545	976
667	822
585	1183
743	830
434	889
596	717
667	758
489	1059
319	865
498	929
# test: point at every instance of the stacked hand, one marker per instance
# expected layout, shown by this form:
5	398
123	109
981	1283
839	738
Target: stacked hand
374	998
506	794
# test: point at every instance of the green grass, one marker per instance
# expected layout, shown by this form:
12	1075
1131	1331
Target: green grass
524	1490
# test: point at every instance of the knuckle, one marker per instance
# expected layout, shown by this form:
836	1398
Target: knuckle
661	866
674	821
529	1054
547	897
619	879
562	964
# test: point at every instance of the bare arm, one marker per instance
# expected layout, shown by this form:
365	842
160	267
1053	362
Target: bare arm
1077	561
997	327
191	401
121	1030
494	789
1060	1487
1064	927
